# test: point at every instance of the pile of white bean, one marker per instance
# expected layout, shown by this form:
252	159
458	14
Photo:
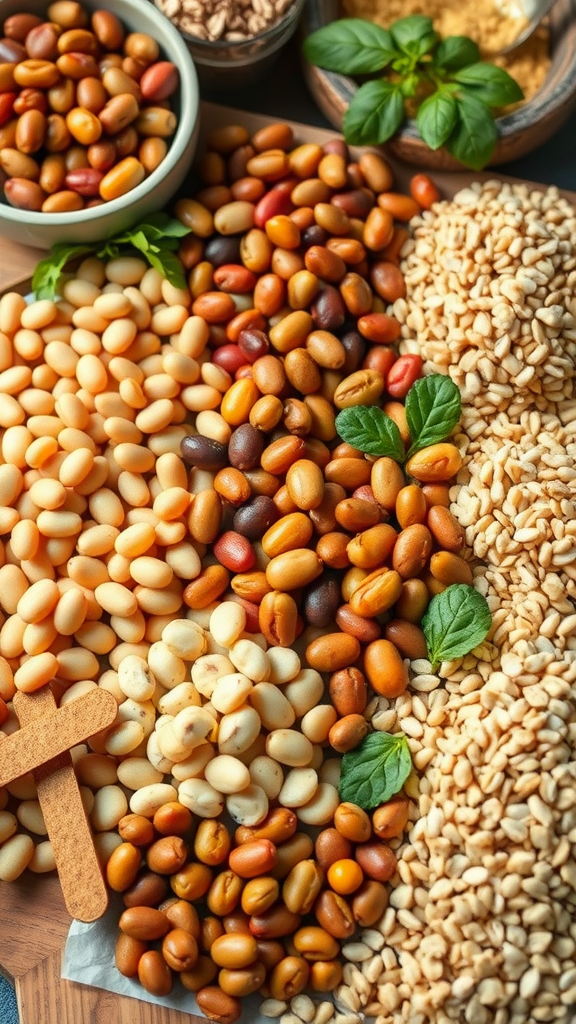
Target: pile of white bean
211	709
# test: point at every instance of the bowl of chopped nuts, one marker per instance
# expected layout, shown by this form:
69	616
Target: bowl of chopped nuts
233	42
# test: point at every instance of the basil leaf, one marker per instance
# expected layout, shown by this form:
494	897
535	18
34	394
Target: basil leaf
433	407
455	622
436	118
456	52
48	271
370	430
473	140
375	770
490	84
374	115
159	227
139	241
169	266
351	46
409	84
408	33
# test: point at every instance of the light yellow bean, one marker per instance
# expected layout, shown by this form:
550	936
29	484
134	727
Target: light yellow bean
24	540
38	601
115	599
76	663
43	859
110	804
149	799
29	814
15	856
36	672
8	825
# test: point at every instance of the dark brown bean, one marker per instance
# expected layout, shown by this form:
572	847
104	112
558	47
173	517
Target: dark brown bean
321	600
255	517
204	452
245	447
328	310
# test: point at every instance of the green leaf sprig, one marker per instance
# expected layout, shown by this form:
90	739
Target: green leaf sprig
455	622
433	407
375	770
157	240
455	92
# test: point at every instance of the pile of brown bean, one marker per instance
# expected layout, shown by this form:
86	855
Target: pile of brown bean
273	903
84	108
113	540
293	236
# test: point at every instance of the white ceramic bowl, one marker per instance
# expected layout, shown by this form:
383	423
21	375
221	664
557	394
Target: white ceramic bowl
43	230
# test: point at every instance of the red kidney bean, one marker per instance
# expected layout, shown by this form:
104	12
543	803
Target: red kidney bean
159	81
85	181
253	344
229	357
275	202
235	552
402	375
6	106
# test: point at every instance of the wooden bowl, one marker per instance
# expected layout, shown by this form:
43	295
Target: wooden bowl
519	132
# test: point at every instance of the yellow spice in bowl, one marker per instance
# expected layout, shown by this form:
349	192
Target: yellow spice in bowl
481	20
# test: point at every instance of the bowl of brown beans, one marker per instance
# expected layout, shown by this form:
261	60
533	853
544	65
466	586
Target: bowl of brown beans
98	118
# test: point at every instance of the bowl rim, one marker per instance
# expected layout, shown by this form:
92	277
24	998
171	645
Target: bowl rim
218	45
188	86
542	104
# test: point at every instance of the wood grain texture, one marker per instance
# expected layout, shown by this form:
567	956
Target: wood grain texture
39	1000
33	919
519	132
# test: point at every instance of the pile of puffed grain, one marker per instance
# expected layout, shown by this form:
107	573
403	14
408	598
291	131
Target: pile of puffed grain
482	927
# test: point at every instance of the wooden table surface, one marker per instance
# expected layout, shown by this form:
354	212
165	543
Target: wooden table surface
33	919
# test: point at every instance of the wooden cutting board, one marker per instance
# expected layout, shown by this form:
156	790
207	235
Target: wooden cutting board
33	919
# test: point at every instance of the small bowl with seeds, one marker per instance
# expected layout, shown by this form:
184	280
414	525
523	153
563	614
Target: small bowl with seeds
233	43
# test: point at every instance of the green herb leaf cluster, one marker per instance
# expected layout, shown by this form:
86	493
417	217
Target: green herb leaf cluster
157	240
454	90
433	406
455	622
375	770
